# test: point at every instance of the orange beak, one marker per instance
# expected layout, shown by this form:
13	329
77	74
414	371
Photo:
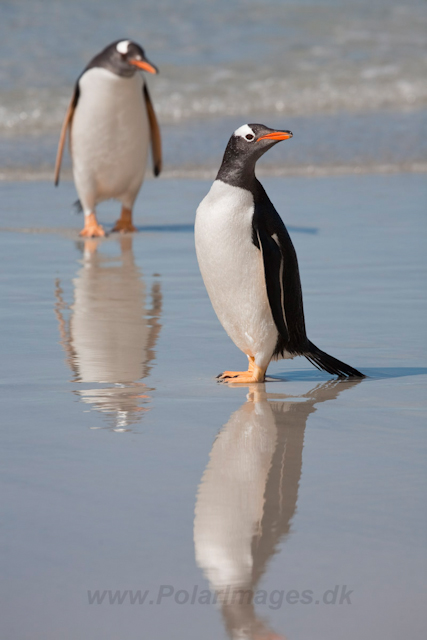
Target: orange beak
277	135
144	65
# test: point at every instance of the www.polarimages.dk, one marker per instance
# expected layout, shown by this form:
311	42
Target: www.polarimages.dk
275	599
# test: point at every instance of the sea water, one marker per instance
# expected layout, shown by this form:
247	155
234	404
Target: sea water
349	78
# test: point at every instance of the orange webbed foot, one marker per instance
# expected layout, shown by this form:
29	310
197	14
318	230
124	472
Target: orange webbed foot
124	228
92	229
246	377
124	223
229	374
253	374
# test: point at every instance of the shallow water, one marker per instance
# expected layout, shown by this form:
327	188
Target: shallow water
132	469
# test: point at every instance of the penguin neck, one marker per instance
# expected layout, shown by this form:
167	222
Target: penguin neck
238	172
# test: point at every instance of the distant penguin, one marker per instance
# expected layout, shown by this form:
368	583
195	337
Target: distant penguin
249	265
111	121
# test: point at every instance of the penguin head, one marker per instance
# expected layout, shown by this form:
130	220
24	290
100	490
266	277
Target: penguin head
123	58
253	140
247	144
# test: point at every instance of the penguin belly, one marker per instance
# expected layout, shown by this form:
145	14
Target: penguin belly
109	138
233	271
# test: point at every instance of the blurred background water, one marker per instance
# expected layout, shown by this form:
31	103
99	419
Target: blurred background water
349	78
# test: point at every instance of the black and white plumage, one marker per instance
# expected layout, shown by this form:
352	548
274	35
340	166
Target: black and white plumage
249	264
112	122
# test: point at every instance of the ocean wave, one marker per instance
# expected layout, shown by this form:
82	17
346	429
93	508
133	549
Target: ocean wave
289	58
376	141
36	111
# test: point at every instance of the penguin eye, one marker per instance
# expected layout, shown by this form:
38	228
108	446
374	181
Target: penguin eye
249	137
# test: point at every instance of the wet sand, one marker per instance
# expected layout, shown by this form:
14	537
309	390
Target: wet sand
125	466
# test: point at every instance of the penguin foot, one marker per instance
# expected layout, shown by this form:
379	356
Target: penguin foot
124	223
245	377
229	374
92	229
124	228
253	374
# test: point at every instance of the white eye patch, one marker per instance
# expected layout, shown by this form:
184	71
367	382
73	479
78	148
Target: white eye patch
123	47
244	131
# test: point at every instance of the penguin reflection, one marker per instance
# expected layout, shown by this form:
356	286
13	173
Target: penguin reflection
248	496
110	335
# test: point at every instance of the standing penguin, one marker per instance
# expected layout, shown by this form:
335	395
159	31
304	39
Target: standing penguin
111	121
249	265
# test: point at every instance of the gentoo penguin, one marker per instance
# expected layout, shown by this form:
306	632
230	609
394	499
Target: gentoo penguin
109	334
111	121
248	497
249	265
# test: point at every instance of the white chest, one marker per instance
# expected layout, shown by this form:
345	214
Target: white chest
109	103
232	267
224	230
110	132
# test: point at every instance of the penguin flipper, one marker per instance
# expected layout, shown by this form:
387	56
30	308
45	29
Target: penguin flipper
67	123
282	277
272	259
156	141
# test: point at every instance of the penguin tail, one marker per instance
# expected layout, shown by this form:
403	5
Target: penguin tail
322	360
77	206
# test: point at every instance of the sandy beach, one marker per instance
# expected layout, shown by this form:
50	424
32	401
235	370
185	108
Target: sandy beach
118	444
